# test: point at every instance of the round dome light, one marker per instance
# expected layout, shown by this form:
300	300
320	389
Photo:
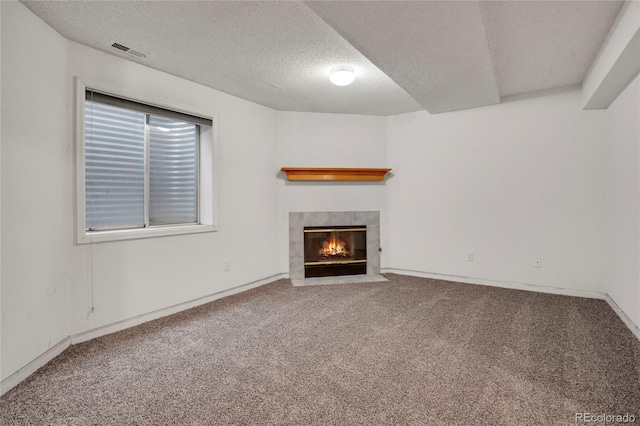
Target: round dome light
342	76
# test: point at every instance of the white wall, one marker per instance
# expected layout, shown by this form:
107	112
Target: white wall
329	140
130	278
622	227
36	188
510	182
0	193
49	285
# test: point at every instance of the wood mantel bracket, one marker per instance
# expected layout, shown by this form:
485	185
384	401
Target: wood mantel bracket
332	173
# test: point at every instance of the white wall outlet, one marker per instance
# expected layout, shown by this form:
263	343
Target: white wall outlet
538	263
227	266
470	256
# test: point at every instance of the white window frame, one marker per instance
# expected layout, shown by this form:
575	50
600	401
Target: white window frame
208	171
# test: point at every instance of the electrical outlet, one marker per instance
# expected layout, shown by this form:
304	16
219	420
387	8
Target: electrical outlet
227	266
538	263
470	256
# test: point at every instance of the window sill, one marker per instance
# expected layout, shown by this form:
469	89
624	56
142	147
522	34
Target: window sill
132	234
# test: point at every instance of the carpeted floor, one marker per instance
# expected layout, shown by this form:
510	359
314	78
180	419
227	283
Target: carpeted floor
409	351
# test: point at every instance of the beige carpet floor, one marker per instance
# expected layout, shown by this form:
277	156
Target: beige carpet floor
410	351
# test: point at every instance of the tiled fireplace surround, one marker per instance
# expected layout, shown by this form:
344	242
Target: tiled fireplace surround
298	220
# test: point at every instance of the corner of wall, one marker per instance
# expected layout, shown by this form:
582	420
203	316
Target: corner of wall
35	248
617	62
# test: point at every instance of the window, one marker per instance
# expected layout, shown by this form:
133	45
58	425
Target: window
143	170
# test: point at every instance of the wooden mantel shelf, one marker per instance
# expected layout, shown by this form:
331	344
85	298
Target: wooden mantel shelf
331	173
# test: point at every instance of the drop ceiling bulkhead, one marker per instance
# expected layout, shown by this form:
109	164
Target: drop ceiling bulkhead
407	55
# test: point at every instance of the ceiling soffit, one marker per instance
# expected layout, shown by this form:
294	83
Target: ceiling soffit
540	45
435	50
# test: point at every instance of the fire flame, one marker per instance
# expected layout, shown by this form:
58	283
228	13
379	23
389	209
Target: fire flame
334	247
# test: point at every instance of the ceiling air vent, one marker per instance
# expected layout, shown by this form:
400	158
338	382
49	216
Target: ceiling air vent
120	47
128	50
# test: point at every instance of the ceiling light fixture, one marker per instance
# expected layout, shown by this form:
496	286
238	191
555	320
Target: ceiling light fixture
342	76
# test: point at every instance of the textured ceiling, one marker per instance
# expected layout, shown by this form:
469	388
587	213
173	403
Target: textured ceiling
538	45
277	54
408	55
436	51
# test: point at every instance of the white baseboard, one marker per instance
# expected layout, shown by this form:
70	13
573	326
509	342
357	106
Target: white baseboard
24	372
623	316
150	316
527	287
499	283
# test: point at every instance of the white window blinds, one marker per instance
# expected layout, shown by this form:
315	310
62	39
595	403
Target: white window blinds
173	191
114	167
141	164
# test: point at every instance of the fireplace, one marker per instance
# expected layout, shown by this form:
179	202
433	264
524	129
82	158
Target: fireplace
298	221
369	221
336	250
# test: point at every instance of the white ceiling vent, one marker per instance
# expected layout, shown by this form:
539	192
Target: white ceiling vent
128	50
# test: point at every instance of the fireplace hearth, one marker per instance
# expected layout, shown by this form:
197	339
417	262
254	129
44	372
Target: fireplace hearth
337	250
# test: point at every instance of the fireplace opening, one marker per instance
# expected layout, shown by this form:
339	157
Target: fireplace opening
339	250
